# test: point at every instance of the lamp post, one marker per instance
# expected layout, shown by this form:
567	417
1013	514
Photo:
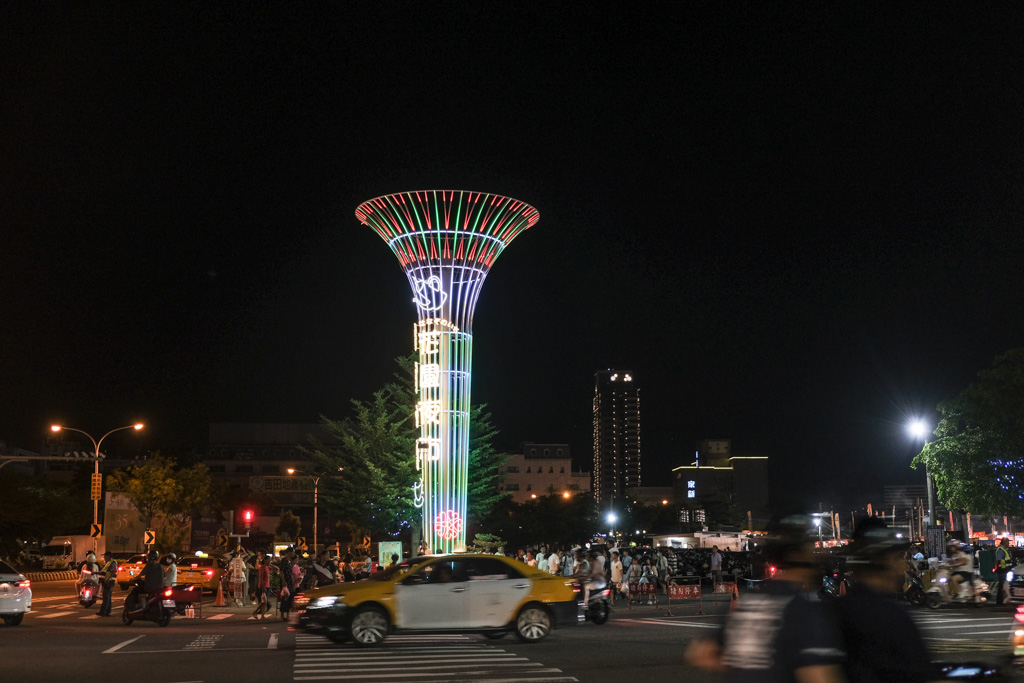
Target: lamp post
96	452
316	488
919	430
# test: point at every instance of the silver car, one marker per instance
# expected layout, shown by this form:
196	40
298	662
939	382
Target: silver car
15	595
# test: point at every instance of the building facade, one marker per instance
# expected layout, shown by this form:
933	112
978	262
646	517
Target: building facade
616	436
541	469
717	473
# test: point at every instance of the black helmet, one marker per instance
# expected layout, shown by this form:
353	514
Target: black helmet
153	555
872	540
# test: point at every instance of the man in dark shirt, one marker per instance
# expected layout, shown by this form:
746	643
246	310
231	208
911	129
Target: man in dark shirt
776	634
882	642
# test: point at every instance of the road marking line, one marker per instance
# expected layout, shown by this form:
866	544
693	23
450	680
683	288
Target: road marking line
433	674
118	647
54	614
421	659
272	645
91	616
219	616
669	623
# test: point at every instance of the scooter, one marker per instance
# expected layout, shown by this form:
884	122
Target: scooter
599	604
159	607
974	591
88	589
913	589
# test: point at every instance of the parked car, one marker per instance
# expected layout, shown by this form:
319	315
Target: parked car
485	594
204	572
15	595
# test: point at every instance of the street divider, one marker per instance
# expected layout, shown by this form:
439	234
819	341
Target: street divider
52	576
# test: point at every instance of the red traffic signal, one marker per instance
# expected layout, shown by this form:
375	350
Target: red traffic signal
247	516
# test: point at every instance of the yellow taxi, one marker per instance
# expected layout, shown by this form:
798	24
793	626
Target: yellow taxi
128	570
486	594
203	571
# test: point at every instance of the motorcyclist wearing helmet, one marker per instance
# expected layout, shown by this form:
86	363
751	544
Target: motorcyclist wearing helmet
89	571
149	581
961	568
776	634
871	620
171	572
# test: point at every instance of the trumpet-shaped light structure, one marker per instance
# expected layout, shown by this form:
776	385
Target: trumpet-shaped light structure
446	242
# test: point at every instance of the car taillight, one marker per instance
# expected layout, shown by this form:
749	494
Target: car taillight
86	571
575	586
25	584
1019	616
772	569
209	572
168	592
194	565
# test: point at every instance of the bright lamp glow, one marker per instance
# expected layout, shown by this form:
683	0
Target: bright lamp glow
918	429
612	518
446	242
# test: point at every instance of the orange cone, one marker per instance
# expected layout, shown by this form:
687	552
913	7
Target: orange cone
219	602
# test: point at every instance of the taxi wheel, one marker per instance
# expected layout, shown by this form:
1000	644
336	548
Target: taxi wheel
533	623
369	626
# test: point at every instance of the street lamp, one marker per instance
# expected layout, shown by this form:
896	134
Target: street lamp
96	451
919	429
316	489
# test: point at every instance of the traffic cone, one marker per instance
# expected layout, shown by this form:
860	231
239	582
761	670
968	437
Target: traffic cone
219	602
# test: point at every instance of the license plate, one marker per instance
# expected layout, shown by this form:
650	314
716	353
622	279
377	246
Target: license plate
167	603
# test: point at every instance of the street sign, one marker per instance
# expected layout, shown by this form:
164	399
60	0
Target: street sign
97	485
96	530
149	538
300	542
222	540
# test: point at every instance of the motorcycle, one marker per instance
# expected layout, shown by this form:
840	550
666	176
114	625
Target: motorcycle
158	607
913	589
88	589
974	591
599	604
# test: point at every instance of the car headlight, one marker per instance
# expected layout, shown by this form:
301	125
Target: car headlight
326	601
1009	576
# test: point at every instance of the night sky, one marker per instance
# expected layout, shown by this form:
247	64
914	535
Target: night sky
795	229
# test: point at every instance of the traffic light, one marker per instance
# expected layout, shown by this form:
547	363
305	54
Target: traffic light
247	516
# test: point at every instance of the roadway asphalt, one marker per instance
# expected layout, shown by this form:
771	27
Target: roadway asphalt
62	640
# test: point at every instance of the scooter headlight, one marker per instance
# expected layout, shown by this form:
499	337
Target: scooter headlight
942	580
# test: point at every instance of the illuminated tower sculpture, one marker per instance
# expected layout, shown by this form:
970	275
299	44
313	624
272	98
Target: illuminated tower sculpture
445	241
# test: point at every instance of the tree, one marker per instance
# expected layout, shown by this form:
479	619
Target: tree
158	487
375	447
288	526
977	458
36	509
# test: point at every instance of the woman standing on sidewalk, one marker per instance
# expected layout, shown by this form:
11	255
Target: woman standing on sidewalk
262	587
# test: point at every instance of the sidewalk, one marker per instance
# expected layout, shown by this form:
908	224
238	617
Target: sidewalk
231	608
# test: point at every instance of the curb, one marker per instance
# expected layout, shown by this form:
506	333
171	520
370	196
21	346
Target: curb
52	576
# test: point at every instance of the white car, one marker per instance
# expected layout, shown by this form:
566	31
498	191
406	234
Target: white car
15	595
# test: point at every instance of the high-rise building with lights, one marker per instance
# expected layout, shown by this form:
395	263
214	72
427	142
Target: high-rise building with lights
616	436
446	242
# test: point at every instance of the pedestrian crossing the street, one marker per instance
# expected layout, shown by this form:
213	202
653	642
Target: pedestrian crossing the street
412	658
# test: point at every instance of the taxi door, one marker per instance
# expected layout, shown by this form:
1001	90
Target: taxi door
433	597
495	591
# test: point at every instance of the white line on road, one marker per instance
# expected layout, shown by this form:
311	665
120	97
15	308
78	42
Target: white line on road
219	616
272	645
661	622
118	647
90	616
433	674
54	614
